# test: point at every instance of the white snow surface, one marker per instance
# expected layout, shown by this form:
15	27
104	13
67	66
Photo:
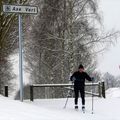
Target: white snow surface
52	109
113	93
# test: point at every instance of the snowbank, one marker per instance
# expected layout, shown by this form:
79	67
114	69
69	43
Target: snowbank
113	93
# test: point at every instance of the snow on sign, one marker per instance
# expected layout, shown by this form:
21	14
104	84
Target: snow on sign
20	9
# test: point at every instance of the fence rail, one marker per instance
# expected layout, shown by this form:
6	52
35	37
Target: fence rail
100	85
61	85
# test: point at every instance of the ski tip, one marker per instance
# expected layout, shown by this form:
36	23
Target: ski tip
83	111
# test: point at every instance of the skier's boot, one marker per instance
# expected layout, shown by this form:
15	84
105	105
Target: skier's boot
83	108
76	106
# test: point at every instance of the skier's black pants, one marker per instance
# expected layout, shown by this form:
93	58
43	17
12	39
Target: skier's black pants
82	93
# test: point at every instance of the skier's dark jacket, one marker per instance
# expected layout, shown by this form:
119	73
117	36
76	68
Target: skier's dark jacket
79	79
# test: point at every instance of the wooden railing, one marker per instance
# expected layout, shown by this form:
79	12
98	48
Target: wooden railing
100	85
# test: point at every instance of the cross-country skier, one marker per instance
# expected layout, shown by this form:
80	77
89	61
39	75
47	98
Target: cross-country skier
78	78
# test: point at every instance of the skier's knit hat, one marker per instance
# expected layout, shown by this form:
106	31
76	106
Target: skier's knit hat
81	66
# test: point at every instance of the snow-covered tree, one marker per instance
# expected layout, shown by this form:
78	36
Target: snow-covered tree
110	80
63	35
8	42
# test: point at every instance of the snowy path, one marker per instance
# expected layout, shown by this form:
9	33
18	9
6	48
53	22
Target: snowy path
52	109
104	109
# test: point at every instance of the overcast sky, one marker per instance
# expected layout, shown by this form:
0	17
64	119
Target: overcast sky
110	60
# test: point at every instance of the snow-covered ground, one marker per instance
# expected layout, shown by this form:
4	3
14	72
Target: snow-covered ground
52	109
113	93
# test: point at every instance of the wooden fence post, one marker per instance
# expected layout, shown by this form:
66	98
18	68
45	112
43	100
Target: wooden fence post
103	89
31	93
6	91
99	89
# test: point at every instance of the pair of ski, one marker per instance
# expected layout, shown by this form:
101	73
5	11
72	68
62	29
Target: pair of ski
83	109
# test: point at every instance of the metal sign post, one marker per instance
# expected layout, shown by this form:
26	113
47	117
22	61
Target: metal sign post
20	10
20	57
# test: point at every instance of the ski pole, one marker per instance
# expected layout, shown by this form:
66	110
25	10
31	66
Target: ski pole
68	95
92	97
67	99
